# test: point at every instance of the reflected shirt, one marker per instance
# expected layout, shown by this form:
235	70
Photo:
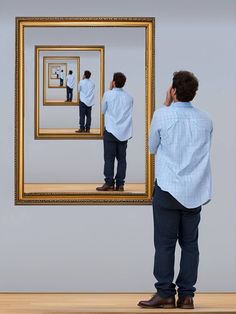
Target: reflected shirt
70	81
117	106
86	89
180	137
62	75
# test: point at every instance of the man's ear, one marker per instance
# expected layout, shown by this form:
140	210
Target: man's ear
173	91
113	84
173	94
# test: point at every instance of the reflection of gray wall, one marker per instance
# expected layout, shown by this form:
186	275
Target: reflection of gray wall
109	248
67	116
68	161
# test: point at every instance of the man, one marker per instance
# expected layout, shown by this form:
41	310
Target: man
62	77
180	137
70	84
86	89
117	107
58	73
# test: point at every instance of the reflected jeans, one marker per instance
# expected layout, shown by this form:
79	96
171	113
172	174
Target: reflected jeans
69	93
114	149
84	111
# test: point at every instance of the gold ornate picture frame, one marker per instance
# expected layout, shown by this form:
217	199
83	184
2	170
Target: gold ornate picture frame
46	78
69	193
62	133
55	67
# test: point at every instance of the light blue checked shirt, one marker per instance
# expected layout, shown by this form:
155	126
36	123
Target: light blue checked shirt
86	88
117	106
180	137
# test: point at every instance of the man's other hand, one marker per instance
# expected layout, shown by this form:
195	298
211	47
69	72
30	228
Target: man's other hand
169	98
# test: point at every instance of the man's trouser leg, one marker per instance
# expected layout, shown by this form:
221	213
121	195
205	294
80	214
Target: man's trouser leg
109	157
121	148
88	117
173	221
82	110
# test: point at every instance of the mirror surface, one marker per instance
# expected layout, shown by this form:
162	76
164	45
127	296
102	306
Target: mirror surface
53	122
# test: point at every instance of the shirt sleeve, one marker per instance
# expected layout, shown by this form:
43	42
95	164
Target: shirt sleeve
211	134
154	139
104	104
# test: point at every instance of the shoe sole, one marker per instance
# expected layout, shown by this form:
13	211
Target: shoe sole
97	189
185	307
166	306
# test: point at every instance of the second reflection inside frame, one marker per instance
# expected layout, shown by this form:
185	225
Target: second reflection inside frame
60	158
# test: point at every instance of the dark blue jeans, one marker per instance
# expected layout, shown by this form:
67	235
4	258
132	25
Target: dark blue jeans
69	93
173	222
84	111
114	149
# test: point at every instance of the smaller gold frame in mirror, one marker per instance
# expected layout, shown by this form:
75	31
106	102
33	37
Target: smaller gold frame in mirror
55	67
64	133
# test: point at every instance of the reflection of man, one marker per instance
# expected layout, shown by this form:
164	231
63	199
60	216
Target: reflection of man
86	89
117	107
70	84
180	137
62	77
58	72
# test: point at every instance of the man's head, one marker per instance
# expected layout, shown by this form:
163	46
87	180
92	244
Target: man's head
70	71
61	70
184	86
87	74
119	79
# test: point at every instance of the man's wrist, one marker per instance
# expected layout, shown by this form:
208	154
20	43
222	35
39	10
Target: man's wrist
167	103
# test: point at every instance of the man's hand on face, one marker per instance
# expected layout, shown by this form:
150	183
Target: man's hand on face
111	85
169	98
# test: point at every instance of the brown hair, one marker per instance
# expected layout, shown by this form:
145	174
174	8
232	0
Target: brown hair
186	85
119	79
87	74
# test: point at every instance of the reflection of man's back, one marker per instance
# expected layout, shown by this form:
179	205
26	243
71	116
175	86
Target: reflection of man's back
87	87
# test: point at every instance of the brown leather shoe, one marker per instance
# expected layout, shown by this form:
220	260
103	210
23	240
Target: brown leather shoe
185	302
80	131
120	188
158	302
105	187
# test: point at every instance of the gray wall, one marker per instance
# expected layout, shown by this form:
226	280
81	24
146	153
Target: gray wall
77	248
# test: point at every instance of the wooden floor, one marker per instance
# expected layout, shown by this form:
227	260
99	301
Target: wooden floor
66	131
55	102
105	303
134	188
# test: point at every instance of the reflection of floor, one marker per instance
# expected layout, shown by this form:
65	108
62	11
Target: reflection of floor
66	131
134	188
119	303
54	102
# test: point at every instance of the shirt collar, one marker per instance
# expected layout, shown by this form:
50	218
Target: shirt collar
180	104
117	88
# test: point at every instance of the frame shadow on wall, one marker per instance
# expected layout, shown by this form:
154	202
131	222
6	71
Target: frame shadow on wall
66	168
